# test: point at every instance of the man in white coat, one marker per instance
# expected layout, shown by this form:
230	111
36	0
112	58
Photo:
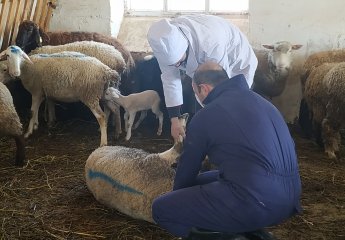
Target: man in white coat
185	42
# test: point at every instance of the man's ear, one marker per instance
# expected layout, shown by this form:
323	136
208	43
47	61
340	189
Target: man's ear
205	88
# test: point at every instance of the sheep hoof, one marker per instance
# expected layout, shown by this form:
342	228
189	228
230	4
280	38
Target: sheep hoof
331	155
159	133
26	135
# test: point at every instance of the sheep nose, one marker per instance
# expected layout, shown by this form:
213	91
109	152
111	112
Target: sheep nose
14	73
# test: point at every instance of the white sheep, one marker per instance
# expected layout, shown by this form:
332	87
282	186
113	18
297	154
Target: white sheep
134	103
324	94
10	124
66	77
129	179
107	54
273	68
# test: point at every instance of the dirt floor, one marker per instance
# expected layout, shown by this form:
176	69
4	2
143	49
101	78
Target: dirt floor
48	198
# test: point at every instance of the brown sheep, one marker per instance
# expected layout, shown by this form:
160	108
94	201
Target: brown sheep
31	36
315	60
324	95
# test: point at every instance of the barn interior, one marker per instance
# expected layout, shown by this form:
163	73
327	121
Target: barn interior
48	198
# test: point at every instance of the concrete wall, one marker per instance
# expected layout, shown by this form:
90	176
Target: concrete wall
318	25
103	16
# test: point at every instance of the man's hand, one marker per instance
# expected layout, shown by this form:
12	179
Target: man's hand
177	129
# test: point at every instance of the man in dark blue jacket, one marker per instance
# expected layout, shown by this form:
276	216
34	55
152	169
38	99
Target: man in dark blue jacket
257	183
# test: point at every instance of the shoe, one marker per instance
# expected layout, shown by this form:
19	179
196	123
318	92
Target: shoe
259	235
197	234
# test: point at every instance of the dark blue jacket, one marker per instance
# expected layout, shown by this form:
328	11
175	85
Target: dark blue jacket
246	137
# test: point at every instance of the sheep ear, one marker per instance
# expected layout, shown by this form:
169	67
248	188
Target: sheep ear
3	55
38	37
45	38
185	116
268	46
296	46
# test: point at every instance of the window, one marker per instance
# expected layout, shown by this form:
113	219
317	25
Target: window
166	7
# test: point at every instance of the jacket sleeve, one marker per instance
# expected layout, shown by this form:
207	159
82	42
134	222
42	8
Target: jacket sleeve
172	86
194	152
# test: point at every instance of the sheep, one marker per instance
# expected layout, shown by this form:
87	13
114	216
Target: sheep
314	60
129	179
133	103
103	52
10	124
30	36
66	76
324	91
273	69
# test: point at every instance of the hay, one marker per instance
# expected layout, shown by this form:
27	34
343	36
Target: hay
48	198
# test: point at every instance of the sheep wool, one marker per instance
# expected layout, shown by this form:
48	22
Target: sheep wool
10	124
105	53
316	59
324	91
128	179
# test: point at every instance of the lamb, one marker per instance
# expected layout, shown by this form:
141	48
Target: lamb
324	91
273	69
10	124
129	179
67	77
133	103
30	36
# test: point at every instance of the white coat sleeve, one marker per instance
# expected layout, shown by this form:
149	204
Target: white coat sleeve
172	86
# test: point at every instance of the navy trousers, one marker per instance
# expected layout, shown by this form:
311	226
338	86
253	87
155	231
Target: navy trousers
215	205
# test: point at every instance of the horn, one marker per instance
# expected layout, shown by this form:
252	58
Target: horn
26	57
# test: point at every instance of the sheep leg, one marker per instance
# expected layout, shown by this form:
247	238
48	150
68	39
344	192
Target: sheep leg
20	155
143	114
125	118
130	124
100	116
117	116
330	139
51	112
159	115
33	124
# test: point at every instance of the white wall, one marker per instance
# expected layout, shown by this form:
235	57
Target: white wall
88	15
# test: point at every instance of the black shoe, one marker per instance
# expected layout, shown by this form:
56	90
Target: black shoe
259	235
197	234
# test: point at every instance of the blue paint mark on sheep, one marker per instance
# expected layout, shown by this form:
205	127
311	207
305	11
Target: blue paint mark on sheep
14	49
114	183
58	55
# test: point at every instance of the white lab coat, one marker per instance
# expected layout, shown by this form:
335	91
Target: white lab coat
210	38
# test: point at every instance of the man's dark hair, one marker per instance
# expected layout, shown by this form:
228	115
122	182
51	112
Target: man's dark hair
210	76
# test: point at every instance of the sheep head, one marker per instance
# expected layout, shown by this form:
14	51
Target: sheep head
111	94
14	57
29	36
279	58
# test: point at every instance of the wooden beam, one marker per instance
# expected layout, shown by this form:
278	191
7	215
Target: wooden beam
9	23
